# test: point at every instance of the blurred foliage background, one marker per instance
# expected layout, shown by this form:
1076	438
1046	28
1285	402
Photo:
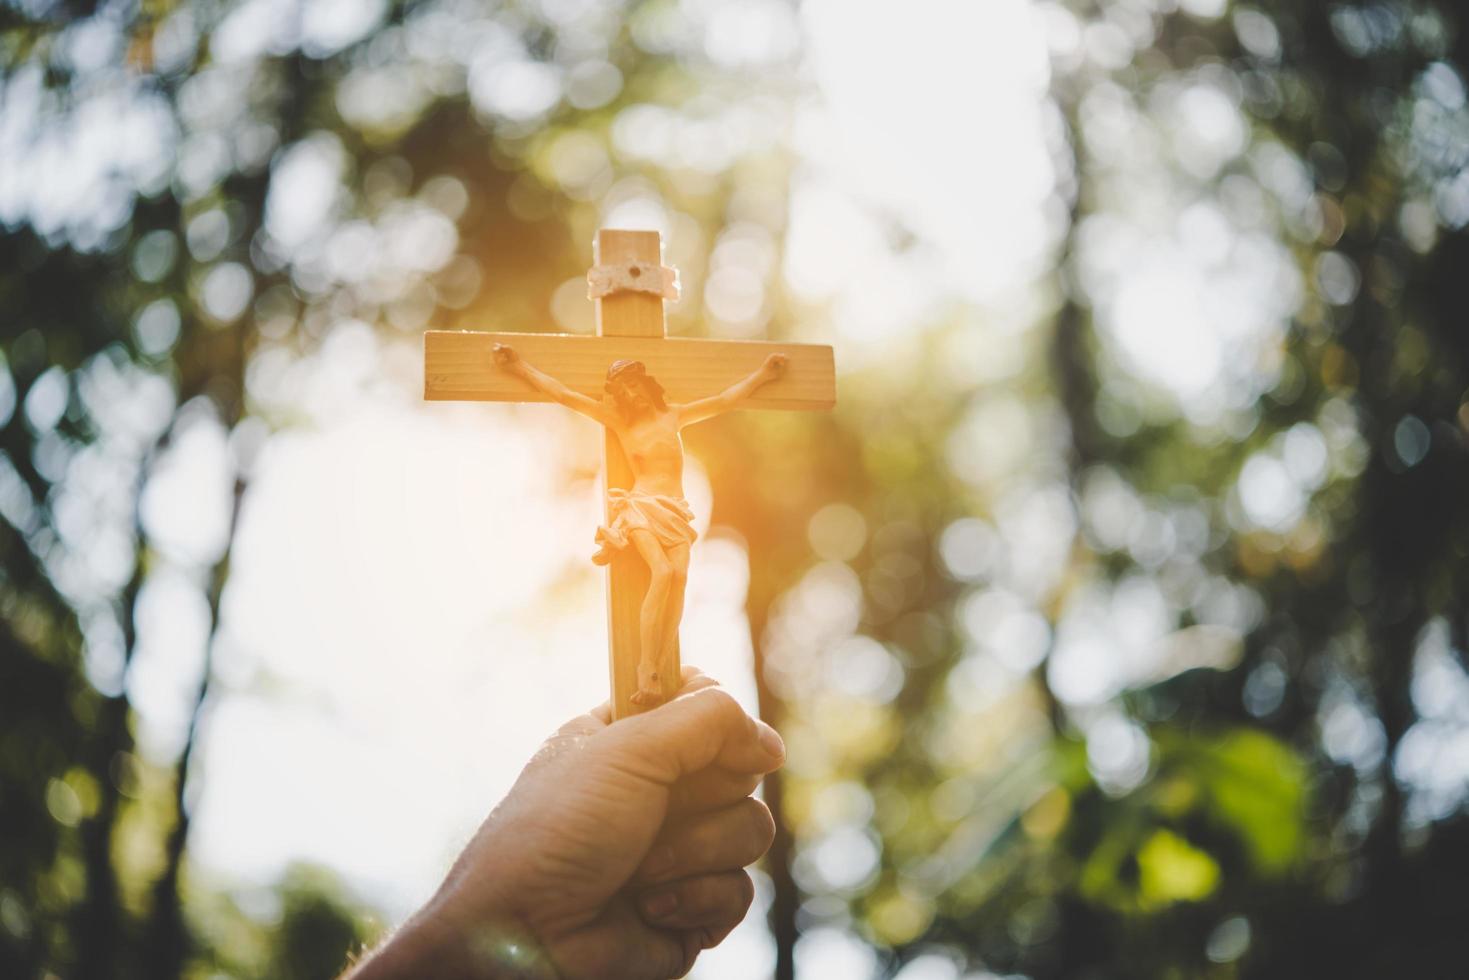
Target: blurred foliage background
1128	637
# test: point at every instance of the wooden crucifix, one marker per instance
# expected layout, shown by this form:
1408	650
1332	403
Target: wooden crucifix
643	387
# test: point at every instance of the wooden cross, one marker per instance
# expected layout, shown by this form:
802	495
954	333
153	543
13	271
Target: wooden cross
460	366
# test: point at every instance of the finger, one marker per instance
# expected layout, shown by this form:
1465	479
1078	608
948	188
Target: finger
692	732
593	721
687	944
708	937
641	951
714	901
720	840
692	679
710	789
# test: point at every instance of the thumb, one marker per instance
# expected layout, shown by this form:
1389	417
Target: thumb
692	732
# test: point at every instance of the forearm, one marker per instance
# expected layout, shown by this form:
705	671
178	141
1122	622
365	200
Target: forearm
543	382
743	389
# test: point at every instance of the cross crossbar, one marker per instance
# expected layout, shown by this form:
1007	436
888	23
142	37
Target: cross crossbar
458	366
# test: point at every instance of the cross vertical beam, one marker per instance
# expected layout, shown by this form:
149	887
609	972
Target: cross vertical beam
628	314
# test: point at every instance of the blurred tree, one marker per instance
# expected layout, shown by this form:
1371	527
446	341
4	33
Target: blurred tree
1259	794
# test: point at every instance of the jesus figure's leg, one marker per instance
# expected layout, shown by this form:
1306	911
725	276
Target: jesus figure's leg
651	617
678	566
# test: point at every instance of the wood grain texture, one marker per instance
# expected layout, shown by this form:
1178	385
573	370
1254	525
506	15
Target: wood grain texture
624	318
458	367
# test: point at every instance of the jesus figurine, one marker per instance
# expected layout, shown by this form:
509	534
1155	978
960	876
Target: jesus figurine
653	516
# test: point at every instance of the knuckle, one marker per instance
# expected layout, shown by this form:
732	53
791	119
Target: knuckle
761	825
690	953
746	892
718	703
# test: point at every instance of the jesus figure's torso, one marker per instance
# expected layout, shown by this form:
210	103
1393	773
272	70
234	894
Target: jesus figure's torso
654	451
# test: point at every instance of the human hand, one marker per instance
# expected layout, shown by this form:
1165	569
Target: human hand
506	357
774	366
619	851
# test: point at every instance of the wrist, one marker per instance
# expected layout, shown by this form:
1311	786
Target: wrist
438	944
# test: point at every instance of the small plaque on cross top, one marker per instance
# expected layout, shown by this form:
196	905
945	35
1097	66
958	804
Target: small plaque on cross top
643	387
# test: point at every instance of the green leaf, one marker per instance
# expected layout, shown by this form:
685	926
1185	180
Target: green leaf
1170	870
1257	785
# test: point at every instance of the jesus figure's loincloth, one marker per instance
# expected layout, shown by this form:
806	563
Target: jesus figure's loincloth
666	518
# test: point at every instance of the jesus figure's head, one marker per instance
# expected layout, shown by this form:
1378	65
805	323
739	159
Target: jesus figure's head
633	390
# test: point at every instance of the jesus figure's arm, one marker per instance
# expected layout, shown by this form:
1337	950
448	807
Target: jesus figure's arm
509	360
731	397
